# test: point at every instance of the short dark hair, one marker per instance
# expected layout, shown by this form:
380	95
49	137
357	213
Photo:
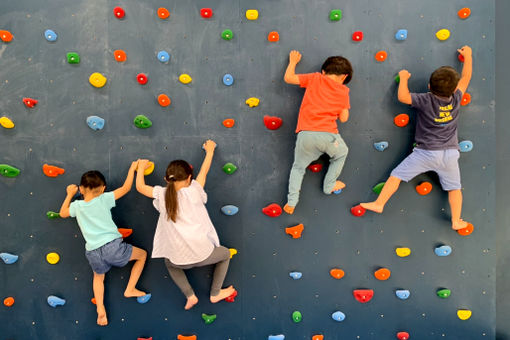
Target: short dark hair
92	179
338	65
444	81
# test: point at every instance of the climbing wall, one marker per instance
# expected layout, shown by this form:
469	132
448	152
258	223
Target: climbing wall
55	132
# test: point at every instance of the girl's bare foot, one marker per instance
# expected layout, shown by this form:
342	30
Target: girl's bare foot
133	293
338	185
288	209
192	300
461	224
102	320
224	293
372	206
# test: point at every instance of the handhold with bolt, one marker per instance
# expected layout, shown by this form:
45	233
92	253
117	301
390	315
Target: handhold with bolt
252	102
163	13
6	123
96	79
272	210
464	314
95	122
296	316
206	13
378	187
443	250
185	78
296	275
50	35
381	146
358	211
231	297
6	36
460	57
276	337
401	35
55	301
142	78
363	295
466	231
381	56
397	78
357	36
73	58
142	122
318	337
144	298
401	120
163	56
229	168
9	258
52	215
228	123
337	273
184	337
228	79
466	146
125	232
9	301
227	34
403	294
443	34
335	15
229	210
273	36
338	316
444	293
164	100
272	123
30	102
208	318
52	170
252	14
8	170
403	252
119	55
315	167
466	99
119	12
403	336
233	252
464	13
424	188
382	274
52	258
295	231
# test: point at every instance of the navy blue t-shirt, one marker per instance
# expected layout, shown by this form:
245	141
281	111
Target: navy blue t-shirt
436	120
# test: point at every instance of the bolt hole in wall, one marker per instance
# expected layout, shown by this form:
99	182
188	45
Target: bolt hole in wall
88	85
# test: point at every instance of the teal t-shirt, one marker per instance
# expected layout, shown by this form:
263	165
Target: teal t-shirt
95	220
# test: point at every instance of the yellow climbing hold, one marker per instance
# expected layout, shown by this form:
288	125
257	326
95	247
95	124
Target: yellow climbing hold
6	123
52	258
149	169
252	102
96	79
464	314
185	78
403	252
233	251
252	14
443	34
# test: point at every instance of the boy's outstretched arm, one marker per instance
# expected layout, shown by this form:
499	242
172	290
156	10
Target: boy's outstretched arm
467	69
71	189
404	96
128	183
290	76
141	187
209	147
344	115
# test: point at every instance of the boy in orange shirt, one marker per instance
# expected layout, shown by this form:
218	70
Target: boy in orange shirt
326	99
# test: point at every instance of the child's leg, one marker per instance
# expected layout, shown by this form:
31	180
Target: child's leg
139	256
98	287
337	152
390	187
180	279
455	199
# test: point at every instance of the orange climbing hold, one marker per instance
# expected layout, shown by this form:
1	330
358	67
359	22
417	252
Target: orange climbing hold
464	13
120	56
52	171
273	36
228	123
6	36
163	13
9	301
466	99
318	337
93	300
382	274
295	231
401	120
337	273
467	230
125	232
164	100
381	56
424	188
363	295
184	337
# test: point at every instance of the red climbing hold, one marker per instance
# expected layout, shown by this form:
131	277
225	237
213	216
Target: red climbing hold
119	55
467	230
145	338
125	232
272	123
403	336
29	102
295	231
337	273
318	337
231	297
381	56
358	211
52	171
164	100
119	12
142	78
6	36
184	337
363	295
382	274
464	13
424	188
272	210
206	12
461	58
228	123
163	13
9	301
401	120
357	36
466	99
315	167
273	36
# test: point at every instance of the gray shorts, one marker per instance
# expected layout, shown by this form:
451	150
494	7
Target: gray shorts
444	162
115	253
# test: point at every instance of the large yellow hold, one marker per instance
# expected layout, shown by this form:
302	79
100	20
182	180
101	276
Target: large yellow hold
464	314
443	34
149	169
52	258
185	78
403	252
6	123
252	14
96	79
252	102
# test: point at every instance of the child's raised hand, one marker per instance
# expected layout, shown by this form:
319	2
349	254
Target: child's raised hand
72	189
142	164
465	51
404	74
133	166
209	145
294	57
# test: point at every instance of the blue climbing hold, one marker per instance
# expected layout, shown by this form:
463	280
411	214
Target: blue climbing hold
50	35
443	250
95	122
338	316
337	192
55	301
230	210
163	56
276	337
296	275
401	35
144	299
466	146
403	294
8	258
381	146
228	79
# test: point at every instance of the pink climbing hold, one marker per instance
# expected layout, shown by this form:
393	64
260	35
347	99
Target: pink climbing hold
358	211
403	336
30	102
272	123
363	295
272	210
315	167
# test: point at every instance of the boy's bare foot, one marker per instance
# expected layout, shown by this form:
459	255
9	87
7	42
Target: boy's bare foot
461	224
372	206
133	293
338	185
288	209
102	320
224	293
192	300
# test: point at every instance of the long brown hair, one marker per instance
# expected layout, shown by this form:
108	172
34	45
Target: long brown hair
178	170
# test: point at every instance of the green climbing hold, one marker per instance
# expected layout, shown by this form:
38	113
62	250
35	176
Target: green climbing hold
8	171
335	15
208	319
73	58
229	168
377	189
227	34
397	79
52	215
444	293
297	317
142	122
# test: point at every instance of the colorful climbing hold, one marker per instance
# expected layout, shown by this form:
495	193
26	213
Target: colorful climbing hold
401	120
382	274
378	187
52	215
357	36
337	273
403	252
232	297
363	295
252	102
443	34
208	318
163	56
142	78
164	100
119	12
460	57
401	35
6	123
252	14
403	294
424	188
73	58
315	167
296	275
464	314
9	301
272	123
144	298
466	231
229	168
296	316
273	36
149	168
125	232
119	55
276	337
6	36
96	79
228	79
295	231
381	146
52	170
338	316
95	122
163	13
184	337
50	35
227	34
185	78
335	15
9	258
8	170
358	211
318	337
55	301
228	123
233	252
464	13
272	210
403	336
397	78
466	99
30	102
229	210
381	56
443	250
52	258
444	293
142	122
206	12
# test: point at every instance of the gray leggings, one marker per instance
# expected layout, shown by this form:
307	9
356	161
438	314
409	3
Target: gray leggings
220	256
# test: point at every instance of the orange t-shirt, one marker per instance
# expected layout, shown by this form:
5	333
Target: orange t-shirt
322	103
